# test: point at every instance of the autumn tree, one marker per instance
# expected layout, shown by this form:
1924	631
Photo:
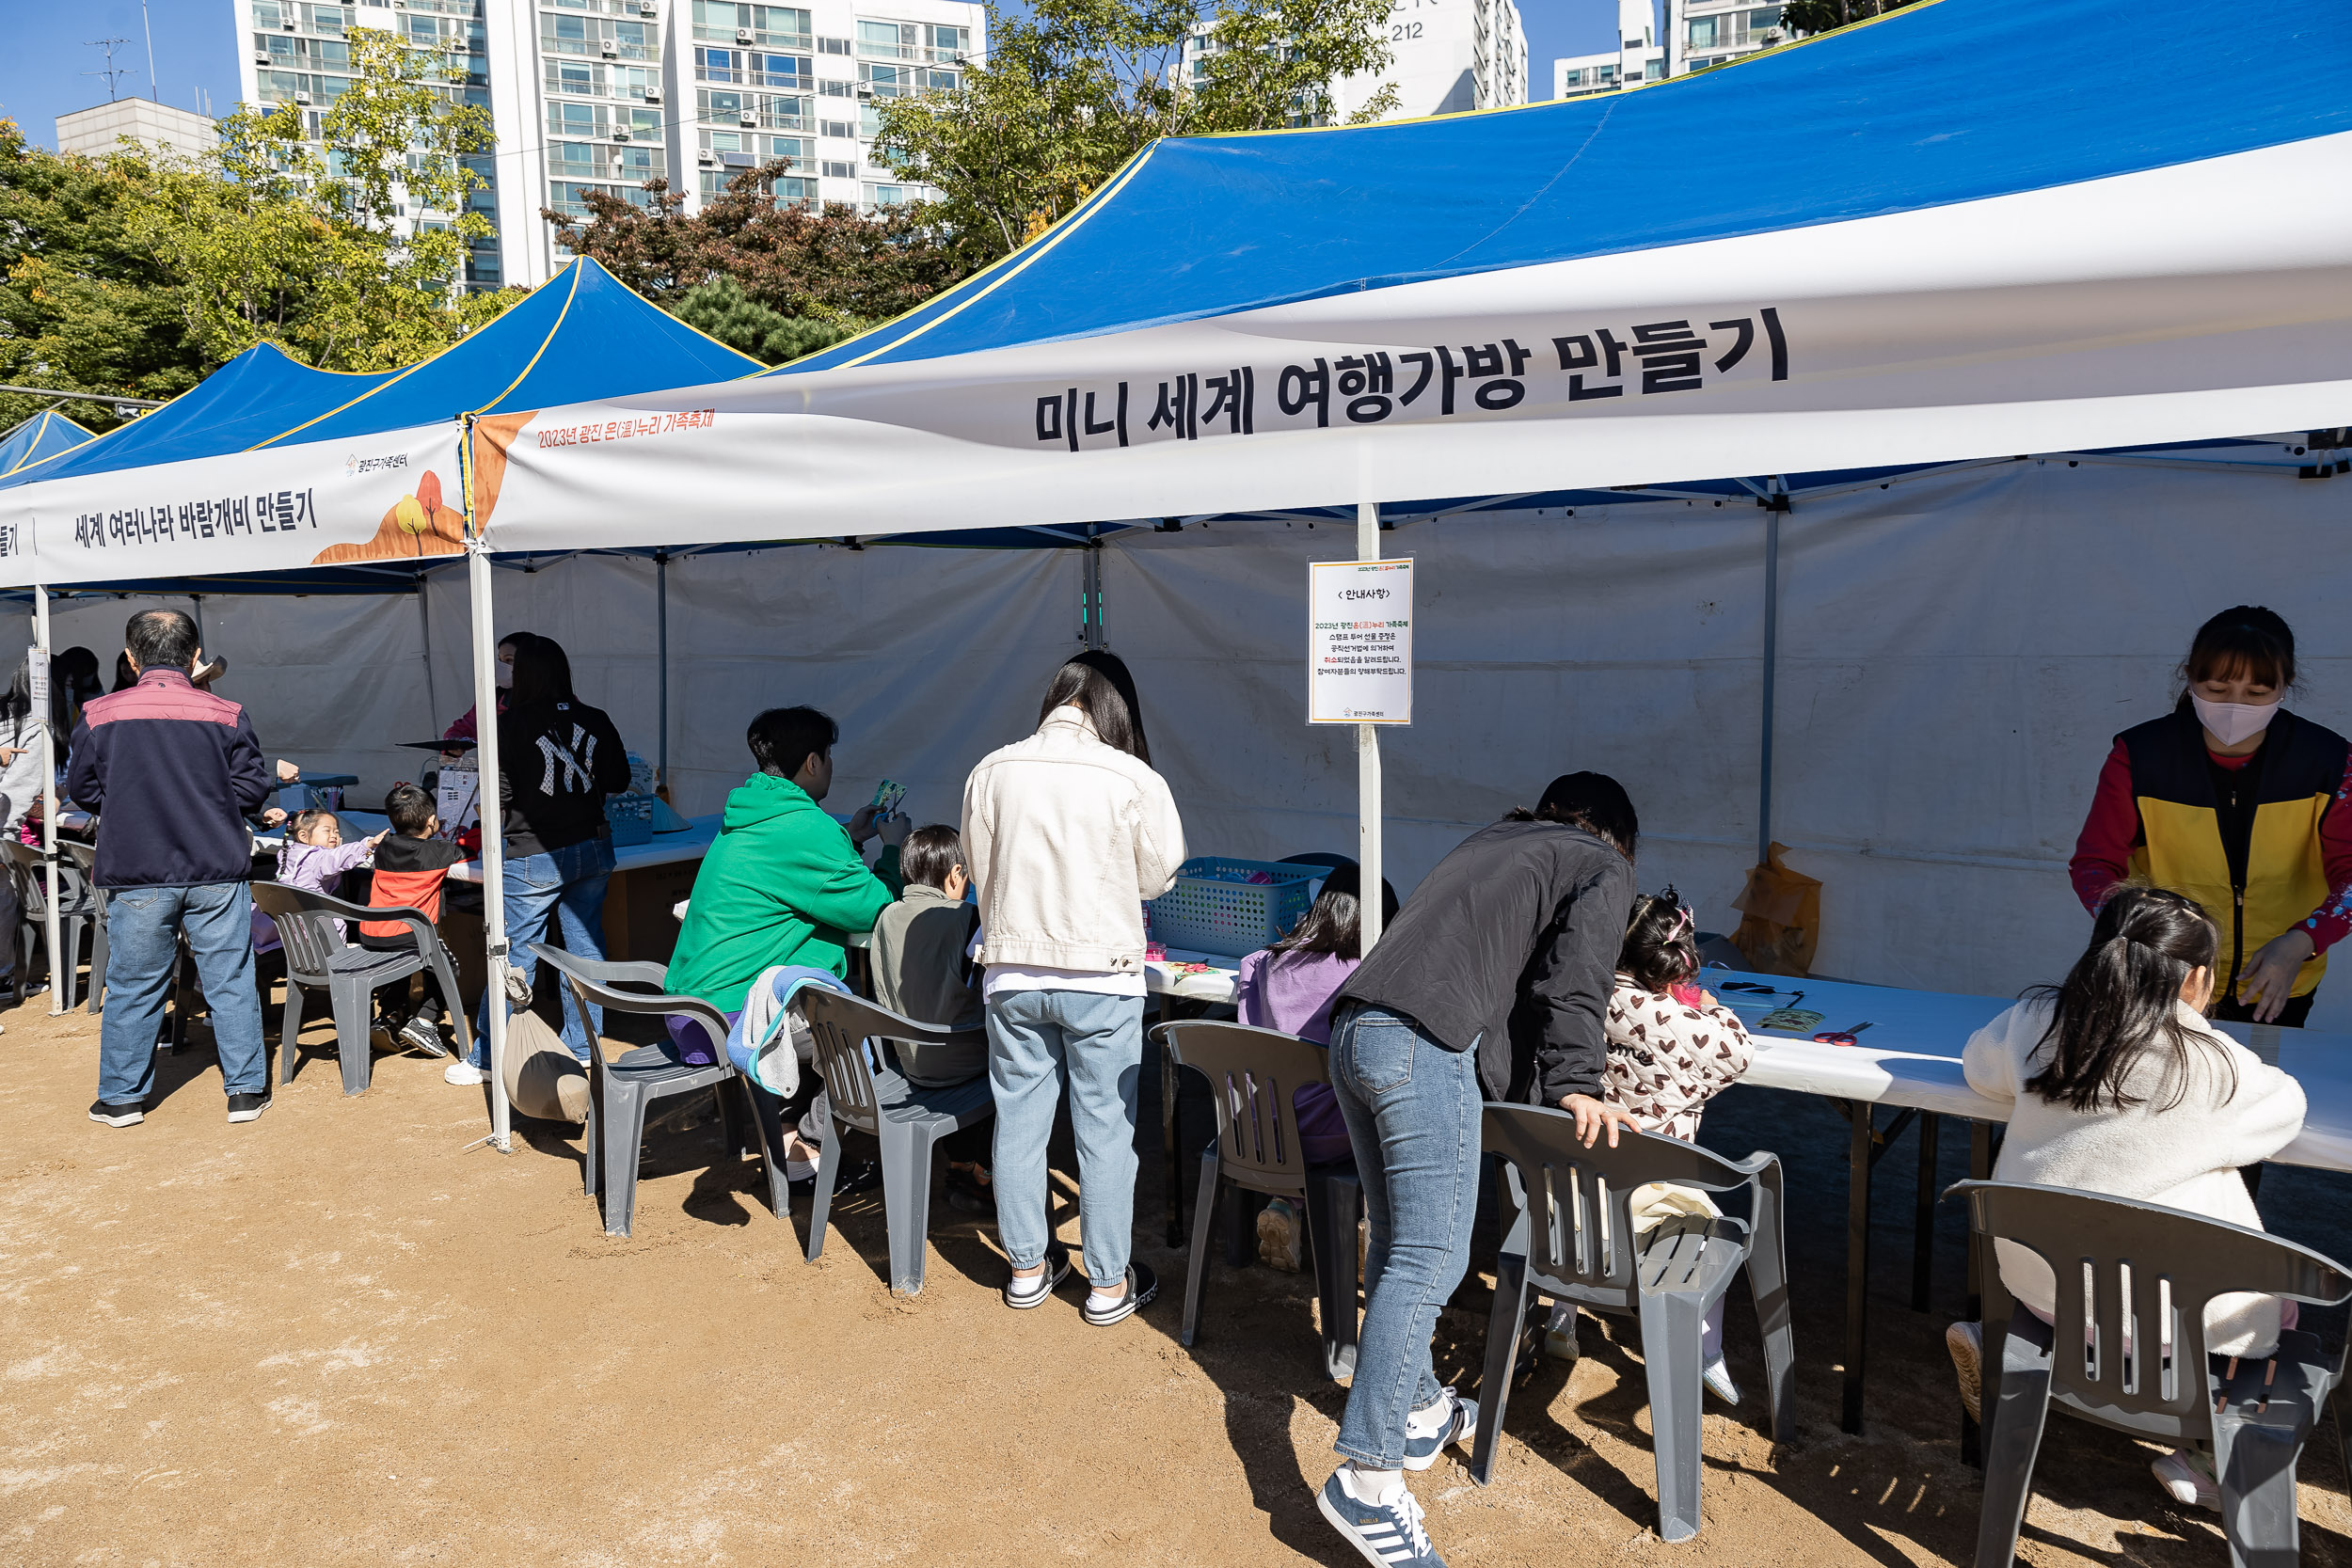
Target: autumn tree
831	270
1075	90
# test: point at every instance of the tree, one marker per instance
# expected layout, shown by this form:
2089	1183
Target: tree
1824	16
332	256
1069	94
721	308
831	266
82	306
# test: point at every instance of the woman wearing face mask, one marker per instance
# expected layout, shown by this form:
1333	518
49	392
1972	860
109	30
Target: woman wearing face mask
464	728
2235	802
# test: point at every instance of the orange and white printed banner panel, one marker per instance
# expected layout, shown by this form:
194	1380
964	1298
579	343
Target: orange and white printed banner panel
389	497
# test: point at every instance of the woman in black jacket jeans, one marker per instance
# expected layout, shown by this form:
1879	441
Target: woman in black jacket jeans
1493	984
558	759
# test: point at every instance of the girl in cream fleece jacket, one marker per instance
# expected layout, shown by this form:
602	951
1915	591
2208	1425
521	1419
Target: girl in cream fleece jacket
2119	1085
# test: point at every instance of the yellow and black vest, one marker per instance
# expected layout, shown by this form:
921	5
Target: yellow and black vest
2245	844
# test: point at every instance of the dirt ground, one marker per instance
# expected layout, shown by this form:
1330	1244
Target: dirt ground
342	1335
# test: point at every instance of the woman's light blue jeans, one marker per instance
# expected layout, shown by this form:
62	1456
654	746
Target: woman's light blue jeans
1412	1109
1035	1039
567	884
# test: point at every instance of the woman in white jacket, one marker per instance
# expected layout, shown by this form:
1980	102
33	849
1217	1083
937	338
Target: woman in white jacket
2120	1086
1066	834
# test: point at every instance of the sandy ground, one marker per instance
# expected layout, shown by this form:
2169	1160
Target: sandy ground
341	1334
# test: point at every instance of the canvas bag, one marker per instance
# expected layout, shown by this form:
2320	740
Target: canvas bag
1780	917
542	1076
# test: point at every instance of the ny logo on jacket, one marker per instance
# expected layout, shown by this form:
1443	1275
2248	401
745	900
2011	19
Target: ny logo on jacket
571	767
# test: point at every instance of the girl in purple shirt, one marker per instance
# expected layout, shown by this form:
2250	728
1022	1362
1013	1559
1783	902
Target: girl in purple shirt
1289	986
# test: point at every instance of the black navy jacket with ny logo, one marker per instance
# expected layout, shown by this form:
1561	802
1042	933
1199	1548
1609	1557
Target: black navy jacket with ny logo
556	762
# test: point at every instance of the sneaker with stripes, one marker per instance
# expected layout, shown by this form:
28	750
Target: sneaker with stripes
1387	1534
1451	1419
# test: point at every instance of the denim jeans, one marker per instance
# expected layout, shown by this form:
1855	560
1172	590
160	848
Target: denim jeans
1412	1109
143	929
1036	1038
567	884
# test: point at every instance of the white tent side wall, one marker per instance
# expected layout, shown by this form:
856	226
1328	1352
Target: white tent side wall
1956	656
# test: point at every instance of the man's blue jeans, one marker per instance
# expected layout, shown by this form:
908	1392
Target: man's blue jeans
567	884
143	927
1413	1110
1036	1038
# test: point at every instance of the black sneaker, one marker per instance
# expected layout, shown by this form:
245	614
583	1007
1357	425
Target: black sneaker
129	1113
247	1107
423	1035
1388	1535
1142	1285
1022	1294
971	1197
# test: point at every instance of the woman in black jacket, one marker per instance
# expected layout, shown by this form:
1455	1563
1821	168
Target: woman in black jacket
558	759
1493	983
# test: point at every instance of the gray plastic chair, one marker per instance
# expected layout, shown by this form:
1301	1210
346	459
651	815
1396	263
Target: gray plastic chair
905	1118
85	858
1253	1076
79	913
2113	1256
621	1089
1584	1252
318	955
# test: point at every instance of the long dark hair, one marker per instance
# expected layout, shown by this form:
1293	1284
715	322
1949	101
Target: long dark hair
2246	639
1099	682
1592	801
72	681
2121	998
1660	942
543	675
18	704
1333	923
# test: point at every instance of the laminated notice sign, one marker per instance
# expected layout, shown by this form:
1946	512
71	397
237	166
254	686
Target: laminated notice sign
1360	643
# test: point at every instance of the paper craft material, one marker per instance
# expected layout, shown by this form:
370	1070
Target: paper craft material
1802	1021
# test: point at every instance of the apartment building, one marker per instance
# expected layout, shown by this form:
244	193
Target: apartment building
1699	33
604	95
1446	56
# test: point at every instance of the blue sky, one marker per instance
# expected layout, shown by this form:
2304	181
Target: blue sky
196	51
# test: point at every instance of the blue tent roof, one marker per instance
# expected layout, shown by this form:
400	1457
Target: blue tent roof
581	335
45	435
1935	104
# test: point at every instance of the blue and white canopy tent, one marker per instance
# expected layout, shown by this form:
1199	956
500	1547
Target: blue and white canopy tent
45	435
1885	257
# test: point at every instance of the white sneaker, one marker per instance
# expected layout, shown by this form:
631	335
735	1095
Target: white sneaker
463	1074
1559	1334
2186	1476
1716	1377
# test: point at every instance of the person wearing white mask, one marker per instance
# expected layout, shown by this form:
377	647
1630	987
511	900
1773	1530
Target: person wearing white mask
2235	802
503	673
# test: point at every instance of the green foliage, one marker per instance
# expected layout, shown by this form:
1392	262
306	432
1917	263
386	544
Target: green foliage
827	266
1079	87
273	242
81	306
721	308
1826	16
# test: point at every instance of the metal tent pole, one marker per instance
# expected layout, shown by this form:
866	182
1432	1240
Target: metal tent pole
1368	902
662	662
48	802
1774	504
424	632
486	697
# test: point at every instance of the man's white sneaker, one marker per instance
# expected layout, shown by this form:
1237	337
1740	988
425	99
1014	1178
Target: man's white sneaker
463	1074
1717	1380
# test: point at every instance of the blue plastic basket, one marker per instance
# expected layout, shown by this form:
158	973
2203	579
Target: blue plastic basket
1211	910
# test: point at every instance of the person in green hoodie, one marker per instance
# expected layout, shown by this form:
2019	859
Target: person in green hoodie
784	883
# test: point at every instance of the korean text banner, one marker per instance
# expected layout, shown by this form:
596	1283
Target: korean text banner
2061	319
390	496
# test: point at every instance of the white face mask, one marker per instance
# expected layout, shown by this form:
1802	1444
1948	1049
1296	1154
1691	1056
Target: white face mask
504	675
2233	722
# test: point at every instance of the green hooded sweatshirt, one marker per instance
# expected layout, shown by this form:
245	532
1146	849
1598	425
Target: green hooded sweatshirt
783	885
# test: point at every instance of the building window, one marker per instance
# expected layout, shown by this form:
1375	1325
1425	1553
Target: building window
718	65
837	90
839	129
834	169
792	71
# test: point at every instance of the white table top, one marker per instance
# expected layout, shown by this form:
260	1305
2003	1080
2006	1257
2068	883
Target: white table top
691	843
1910	1056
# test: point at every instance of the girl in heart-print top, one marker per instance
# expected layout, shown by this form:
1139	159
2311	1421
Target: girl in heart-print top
1671	1047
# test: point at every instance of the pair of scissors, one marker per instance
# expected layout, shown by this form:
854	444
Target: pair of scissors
1839	1036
